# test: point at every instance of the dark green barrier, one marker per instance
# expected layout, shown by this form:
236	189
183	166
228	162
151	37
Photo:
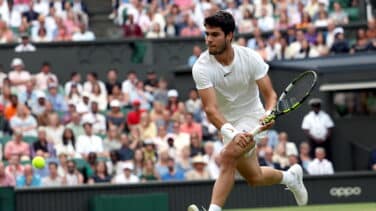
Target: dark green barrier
139	202
7	200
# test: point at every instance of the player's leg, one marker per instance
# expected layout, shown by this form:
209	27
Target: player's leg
255	175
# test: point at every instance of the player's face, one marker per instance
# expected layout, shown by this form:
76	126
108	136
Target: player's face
216	40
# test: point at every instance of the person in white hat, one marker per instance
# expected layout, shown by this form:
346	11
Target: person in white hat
199	171
18	76
127	176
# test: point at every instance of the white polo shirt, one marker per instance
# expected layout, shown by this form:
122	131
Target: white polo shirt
86	144
235	85
317	167
317	124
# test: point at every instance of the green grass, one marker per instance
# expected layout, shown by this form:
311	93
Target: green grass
335	207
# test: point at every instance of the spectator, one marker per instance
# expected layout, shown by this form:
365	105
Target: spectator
312	7
141	95
25	45
76	126
19	76
340	44
371	29
149	173
265	22
148	129
28	96
322	20
126	151
268	160
89	142
98	95
339	16
196	54
127	176
68	145
4	125
320	45
83	34
306	21
362	43
115	118
190	126
184	159
246	24
91	81
151	81
131	28
53	179
54	129
155	32
171	29
149	150
100	174
111	141
6	35
11	109
304	155
112	80
14	167
194	104
99	120
134	116
199	171
129	85
56	98
114	165
306	51
138	161
72	176
4	11
116	94
17	146
29	179
320	165
6	179
43	145
212	159
45	77
173	174
191	30
161	92
74	80
23	122
41	36
317	125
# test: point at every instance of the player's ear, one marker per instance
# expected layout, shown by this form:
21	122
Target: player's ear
230	36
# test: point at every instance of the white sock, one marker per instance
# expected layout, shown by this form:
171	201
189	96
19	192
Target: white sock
214	207
287	178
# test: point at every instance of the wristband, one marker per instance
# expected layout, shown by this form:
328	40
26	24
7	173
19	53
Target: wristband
268	112
228	131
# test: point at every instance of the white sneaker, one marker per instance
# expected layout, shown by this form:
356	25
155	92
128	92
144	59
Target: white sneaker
193	207
297	187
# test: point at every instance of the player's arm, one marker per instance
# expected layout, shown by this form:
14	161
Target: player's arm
267	92
209	103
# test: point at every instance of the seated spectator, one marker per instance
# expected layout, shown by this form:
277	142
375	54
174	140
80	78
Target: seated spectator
114	165
30	14
280	156
111	141
191	30
4	124
116	94
72	176
24	122
116	118
41	36
53	179
18	76
265	22
89	142
149	150
161	93
68	144
75	79
155	32
371	29
148	129
322	20
6	35
362	43
6	179
306	21
184	159
246	24
340	45
320	45
14	167
304	155
196	52
267	159
29	179
320	165
199	171
149	173
54	129
173	173
339	16
56	98
62	34
212	159
196	145
83	34
142	95
194	104
127	176
306	51
75	124
171	29
25	45
181	139
100	174
43	145
190	126
16	146
112	80
126	151
131	28
134	116
11	109
45	77
98	96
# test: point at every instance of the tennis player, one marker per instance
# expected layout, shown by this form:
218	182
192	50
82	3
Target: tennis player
229	78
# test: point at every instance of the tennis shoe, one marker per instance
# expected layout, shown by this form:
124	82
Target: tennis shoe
193	207
297	186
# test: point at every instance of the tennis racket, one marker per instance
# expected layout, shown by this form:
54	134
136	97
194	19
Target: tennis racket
294	95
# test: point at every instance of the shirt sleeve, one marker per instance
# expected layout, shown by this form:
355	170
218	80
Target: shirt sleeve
201	78
305	123
260	68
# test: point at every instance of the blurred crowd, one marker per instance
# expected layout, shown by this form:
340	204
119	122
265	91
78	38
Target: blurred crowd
124	129
44	21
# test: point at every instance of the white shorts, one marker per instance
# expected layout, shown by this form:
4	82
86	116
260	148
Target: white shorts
246	124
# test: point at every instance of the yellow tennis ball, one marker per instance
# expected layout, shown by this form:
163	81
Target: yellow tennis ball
38	162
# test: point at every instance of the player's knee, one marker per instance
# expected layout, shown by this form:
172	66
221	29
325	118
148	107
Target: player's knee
227	157
255	180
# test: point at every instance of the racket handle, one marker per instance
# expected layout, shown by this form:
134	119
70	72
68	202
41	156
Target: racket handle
256	130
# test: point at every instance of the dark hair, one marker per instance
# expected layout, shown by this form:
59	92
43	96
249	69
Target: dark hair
73	74
65	139
94	74
45	63
223	20
52	163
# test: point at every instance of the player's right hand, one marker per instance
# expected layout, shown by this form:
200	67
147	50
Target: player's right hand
244	140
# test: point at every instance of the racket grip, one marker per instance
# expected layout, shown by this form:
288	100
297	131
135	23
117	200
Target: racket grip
256	130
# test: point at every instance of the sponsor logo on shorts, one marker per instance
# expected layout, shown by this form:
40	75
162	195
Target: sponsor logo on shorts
345	191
